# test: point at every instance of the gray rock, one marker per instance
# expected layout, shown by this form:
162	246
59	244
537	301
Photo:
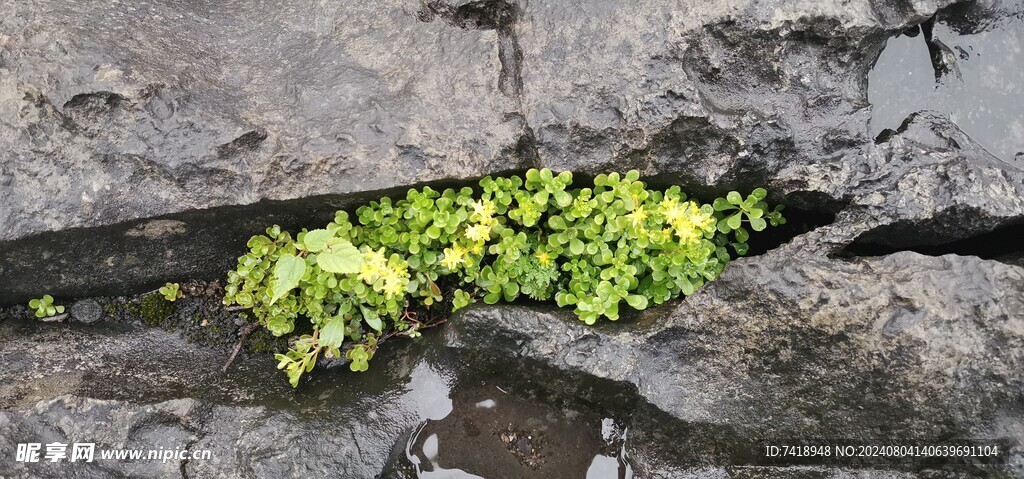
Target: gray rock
160	138
790	346
146	140
86	311
115	112
122	386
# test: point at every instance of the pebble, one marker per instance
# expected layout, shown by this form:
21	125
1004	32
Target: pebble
87	311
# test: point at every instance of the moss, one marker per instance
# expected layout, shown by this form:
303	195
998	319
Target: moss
260	341
154	310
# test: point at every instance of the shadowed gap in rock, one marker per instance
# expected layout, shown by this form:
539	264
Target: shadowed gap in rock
1002	244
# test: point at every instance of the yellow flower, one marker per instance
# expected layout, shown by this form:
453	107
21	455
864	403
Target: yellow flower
671	210
367	274
689	236
484	208
373	265
395	281
637	217
543	257
478	232
686	219
477	247
453	257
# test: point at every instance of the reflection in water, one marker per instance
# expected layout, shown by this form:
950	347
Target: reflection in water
427	392
487	404
980	85
608	467
615	466
429	451
492	434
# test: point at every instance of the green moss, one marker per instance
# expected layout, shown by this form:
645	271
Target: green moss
262	342
154	310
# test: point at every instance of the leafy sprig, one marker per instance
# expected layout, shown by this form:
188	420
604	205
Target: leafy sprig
44	307
171	291
595	249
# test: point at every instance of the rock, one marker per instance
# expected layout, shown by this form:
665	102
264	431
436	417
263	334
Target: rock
99	128
144	142
811	340
86	311
114	116
69	383
791	346
164	155
930	183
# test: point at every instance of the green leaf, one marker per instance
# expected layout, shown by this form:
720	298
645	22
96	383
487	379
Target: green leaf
721	204
287	273
282	360
637	301
556	223
511	290
34	304
734	221
734	197
760	193
758	224
563	199
723	225
686	286
741	248
340	257
576	247
742	235
60	309
372	319
333	333
316	240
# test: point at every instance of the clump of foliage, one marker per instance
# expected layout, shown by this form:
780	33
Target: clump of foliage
44	307
591	249
171	291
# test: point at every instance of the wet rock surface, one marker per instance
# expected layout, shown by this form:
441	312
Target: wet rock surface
963	64
891	309
788	346
119	121
130	386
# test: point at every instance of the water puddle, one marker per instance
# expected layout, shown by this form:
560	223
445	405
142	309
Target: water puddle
970	72
494	432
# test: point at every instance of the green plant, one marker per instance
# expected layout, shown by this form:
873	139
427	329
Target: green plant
171	291
361	280
44	307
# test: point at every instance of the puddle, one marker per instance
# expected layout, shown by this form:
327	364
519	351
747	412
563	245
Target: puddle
493	432
976	80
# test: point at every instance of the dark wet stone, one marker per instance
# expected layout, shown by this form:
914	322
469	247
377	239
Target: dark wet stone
965	67
159	158
167	160
128	386
86	311
791	345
